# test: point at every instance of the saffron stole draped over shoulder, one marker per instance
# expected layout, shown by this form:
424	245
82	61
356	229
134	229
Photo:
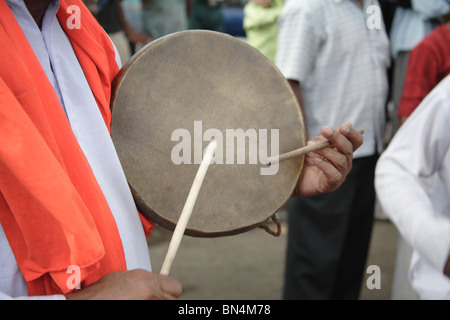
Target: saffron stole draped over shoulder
52	209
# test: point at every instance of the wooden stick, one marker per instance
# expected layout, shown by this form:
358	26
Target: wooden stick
188	207
300	152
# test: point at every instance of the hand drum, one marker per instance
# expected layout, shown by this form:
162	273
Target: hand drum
177	94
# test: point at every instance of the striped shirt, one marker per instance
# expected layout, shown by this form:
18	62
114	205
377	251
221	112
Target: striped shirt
339	52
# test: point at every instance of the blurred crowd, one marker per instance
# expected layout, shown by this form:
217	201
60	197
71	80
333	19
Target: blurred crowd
133	23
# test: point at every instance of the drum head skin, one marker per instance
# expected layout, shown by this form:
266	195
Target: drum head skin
181	91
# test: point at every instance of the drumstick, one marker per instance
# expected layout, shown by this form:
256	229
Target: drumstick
188	207
300	152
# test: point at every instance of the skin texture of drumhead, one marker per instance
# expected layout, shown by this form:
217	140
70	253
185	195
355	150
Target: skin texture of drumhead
178	93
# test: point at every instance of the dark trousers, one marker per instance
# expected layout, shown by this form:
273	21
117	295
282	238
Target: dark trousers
329	237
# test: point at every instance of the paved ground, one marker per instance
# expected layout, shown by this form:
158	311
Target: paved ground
250	266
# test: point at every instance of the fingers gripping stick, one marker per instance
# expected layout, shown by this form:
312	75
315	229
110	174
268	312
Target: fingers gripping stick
300	152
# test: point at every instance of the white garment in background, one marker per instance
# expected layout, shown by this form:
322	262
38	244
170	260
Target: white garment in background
413	187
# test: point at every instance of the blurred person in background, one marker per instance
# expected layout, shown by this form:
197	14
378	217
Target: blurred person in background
412	22
132	10
163	17
207	15
109	14
428	64
261	25
337	66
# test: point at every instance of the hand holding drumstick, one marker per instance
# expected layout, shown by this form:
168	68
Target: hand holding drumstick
325	170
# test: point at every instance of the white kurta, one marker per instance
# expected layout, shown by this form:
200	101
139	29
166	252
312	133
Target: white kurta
55	53
413	186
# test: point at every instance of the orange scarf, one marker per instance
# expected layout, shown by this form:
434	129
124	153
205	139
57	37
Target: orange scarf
52	209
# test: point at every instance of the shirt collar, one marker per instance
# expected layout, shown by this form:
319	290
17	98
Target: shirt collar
52	8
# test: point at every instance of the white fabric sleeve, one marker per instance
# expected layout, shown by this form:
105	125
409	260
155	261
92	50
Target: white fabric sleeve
406	175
